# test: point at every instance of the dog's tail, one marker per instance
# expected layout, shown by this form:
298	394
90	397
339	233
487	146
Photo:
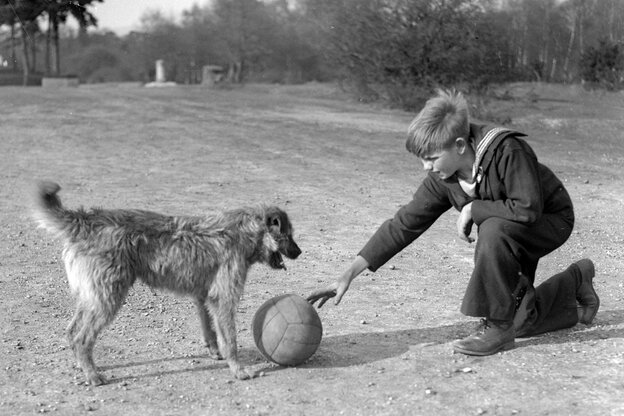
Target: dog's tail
48	210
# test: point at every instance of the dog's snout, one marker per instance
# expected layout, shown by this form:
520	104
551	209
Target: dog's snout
293	251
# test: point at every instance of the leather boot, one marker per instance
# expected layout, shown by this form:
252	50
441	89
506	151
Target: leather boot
493	336
585	294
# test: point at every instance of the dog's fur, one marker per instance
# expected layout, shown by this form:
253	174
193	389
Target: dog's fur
105	251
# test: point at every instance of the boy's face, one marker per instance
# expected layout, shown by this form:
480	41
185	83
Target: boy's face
454	160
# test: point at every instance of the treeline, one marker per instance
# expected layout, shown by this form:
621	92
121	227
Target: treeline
22	36
381	48
251	40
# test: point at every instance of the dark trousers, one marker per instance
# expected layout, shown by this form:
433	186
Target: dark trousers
506	258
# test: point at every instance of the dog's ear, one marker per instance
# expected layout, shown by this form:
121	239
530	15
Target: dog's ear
274	221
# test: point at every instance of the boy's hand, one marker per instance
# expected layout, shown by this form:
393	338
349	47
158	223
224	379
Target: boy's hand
340	286
464	223
336	289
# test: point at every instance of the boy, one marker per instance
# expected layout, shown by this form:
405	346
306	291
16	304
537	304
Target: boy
522	212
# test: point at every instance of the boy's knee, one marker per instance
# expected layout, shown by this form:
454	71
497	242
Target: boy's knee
494	232
493	227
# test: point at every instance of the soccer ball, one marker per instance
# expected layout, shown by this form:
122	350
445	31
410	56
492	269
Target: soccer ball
287	330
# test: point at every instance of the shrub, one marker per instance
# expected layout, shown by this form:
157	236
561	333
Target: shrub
603	65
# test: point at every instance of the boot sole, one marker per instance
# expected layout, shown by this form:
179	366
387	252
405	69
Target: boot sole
503	347
587	269
588	320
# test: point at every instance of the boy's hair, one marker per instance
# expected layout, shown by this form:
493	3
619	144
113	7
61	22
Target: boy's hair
443	119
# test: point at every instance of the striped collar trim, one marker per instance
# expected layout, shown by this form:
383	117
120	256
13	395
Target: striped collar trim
482	148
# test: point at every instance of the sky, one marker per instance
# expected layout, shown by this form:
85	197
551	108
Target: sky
122	16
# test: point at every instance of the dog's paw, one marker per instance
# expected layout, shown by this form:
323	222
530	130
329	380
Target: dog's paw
95	379
214	355
245	374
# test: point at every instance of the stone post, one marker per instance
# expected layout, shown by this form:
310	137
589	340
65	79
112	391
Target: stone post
160	71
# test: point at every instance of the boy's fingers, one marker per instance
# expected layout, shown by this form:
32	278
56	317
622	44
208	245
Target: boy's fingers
338	299
322	296
466	237
313	297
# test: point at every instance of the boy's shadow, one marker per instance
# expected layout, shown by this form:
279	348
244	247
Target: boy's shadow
580	332
365	348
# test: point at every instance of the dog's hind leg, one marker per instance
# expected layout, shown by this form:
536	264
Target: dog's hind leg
224	316
207	327
94	320
75	323
96	313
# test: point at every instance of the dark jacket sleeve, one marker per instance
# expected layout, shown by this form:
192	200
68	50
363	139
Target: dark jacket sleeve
429	202
511	187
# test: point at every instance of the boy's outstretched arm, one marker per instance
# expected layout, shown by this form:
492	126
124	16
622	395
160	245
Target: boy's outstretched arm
341	285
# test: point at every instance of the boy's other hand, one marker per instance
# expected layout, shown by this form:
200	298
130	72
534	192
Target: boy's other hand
464	223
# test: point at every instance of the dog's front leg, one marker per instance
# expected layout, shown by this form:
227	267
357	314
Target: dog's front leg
207	327
224	317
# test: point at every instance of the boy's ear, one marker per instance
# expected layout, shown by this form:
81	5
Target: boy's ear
461	144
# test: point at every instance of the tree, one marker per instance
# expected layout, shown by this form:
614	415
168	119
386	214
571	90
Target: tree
58	11
8	16
199	33
603	64
162	39
245	30
358	38
396	47
293	58
24	12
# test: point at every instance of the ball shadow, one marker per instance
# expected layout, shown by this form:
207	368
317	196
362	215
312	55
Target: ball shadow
364	348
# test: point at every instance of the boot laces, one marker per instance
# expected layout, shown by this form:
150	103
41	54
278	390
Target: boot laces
483	326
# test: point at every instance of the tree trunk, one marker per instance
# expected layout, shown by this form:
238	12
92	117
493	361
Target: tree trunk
566	59
25	65
611	21
33	52
57	47
553	69
581	16
25	53
234	72
48	53
13	47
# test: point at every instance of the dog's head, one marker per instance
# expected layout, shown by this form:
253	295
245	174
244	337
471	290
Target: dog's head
280	239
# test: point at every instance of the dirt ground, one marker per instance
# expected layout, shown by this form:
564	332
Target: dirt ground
339	168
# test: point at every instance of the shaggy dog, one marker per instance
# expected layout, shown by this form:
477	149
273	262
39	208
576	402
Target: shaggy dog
105	251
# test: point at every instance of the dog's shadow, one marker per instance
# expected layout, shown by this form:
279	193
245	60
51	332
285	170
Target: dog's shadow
195	361
369	347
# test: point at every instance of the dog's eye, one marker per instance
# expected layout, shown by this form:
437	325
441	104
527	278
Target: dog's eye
276	222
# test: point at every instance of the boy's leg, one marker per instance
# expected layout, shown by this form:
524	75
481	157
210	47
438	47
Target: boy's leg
555	303
506	257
